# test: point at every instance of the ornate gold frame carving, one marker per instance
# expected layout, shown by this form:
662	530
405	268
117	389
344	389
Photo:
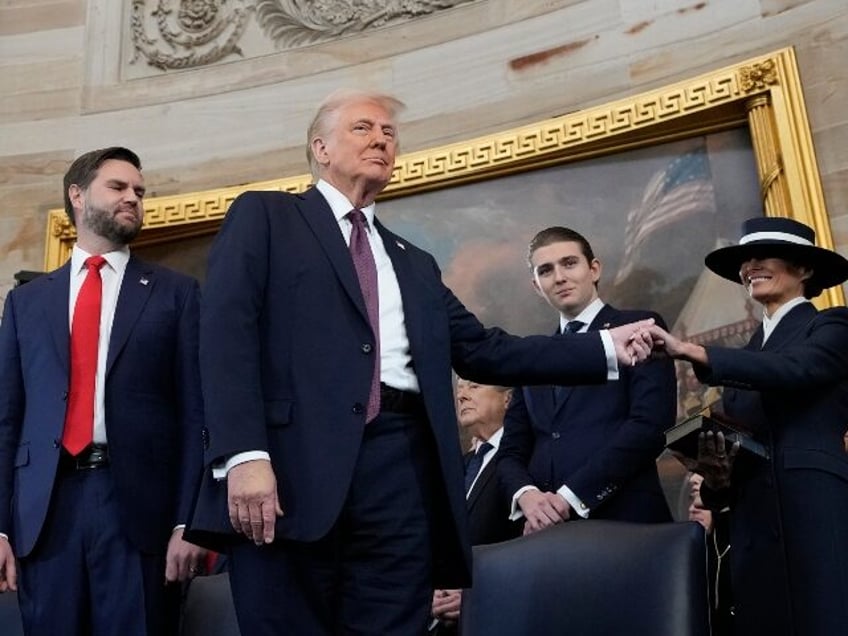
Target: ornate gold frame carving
763	93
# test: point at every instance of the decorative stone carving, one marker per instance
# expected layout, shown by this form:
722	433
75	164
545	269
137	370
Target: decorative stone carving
192	33
294	23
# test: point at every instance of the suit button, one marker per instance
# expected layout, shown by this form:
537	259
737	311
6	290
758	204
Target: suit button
57	443
358	409
555	435
366	348
64	395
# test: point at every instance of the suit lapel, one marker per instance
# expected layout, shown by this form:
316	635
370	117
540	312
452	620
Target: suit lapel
409	290
319	217
482	479
136	287
789	326
57	312
602	321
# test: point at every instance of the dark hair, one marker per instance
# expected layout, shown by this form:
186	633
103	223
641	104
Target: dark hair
84	170
559	234
811	287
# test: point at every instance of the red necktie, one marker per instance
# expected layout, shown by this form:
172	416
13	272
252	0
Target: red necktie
366	271
85	335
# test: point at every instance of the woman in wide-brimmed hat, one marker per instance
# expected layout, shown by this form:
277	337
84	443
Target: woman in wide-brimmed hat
789	384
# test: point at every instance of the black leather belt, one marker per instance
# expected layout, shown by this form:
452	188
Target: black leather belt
394	400
94	456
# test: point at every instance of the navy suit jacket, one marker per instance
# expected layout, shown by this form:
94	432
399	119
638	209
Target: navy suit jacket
287	359
488	508
789	515
152	400
601	441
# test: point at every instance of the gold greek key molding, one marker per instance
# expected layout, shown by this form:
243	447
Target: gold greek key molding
763	94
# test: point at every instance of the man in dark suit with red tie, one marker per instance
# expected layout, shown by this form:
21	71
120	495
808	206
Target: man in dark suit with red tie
332	449
590	451
100	423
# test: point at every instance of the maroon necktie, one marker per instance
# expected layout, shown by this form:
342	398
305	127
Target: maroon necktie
85	335
366	271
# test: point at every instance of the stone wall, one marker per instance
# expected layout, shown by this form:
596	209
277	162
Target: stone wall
215	97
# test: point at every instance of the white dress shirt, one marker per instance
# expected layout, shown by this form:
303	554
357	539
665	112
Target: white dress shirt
112	274
395	358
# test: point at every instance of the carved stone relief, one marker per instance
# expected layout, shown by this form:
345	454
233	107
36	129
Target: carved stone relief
180	34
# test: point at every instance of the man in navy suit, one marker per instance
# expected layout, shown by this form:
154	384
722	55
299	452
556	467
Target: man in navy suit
326	350
571	452
96	521
480	409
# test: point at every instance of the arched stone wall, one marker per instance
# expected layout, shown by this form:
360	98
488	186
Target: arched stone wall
77	76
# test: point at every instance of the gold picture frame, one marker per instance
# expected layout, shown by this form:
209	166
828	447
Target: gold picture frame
763	93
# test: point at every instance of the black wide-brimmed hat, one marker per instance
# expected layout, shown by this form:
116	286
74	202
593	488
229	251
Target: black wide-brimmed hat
772	237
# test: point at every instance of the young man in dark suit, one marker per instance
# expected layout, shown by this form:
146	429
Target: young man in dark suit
588	451
327	344
480	409
100	423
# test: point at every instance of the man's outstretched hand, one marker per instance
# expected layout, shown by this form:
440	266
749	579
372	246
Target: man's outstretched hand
633	342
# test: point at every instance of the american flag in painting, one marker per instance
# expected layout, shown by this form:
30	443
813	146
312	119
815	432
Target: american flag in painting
678	191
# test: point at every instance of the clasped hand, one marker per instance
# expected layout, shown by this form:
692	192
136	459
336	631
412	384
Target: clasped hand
633	342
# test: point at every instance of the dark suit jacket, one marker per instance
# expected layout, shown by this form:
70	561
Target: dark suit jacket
488	508
152	400
601	441
789	516
286	352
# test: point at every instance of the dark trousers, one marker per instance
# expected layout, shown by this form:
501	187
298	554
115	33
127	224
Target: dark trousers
372	574
84	578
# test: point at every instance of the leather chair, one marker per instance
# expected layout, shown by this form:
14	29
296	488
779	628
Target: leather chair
208	609
10	615
586	578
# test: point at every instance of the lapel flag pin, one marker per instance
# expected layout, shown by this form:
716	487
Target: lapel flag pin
400	245
143	281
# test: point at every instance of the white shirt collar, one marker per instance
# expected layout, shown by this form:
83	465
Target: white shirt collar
341	205
495	439
587	316
117	260
771	322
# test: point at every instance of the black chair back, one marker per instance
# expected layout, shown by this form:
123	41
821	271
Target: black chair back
587	578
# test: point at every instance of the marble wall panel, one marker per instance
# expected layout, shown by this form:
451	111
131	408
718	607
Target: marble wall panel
476	69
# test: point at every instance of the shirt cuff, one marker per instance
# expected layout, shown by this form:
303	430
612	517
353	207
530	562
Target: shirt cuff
609	352
219	471
574	501
515	511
